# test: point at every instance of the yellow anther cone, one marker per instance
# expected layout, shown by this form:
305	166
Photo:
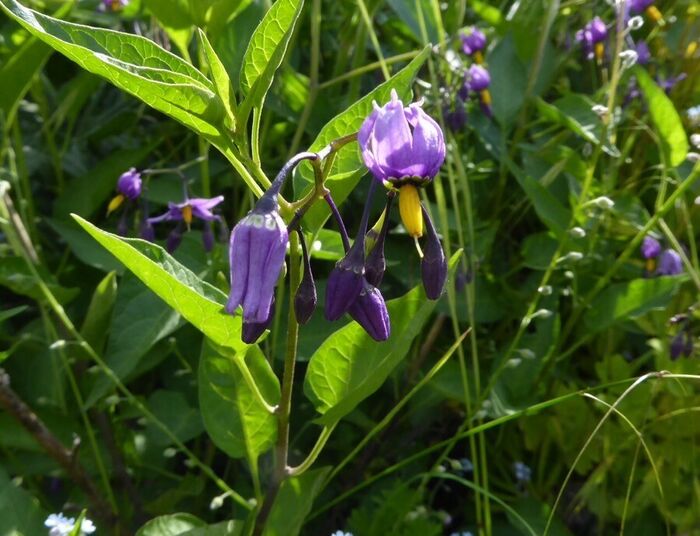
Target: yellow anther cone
410	210
187	214
654	13
115	203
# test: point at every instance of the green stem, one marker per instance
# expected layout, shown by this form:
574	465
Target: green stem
373	37
250	381
281	471
315	451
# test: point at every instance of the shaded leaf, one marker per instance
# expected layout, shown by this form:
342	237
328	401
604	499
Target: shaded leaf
170	525
293	503
233	416
349	365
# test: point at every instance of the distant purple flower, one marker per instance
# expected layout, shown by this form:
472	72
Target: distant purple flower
473	41
196	207
522	472
113	5
256	254
667	84
401	144
478	78
643	53
591	38
670	263
650	247
638	6
129	184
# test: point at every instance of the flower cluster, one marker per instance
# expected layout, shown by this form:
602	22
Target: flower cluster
403	148
592	39
60	525
658	261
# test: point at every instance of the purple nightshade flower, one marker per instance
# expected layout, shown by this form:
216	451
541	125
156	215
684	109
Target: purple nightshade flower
592	38
670	263
638	6
455	117
401	144
129	184
196	207
369	310
478	78
650	247
433	265
257	249
473	42
667	84
643	53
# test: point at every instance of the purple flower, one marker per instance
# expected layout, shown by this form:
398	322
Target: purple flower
478	78
256	254
667	84
197	207
369	310
129	184
669	263
251	331
345	282
638	6
473	41
643	53
592	37
401	145
650	247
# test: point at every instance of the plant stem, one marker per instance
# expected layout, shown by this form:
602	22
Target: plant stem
282	447
315	451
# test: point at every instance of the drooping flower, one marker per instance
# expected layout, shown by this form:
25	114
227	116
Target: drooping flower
185	213
592	38
643	52
129	186
478	80
113	5
650	247
403	147
473	42
670	263
305	298
639	6
257	250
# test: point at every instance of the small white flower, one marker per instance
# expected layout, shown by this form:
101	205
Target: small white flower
169	452
693	157
577	232
542	313
599	110
341	533
635	23
217	502
60	525
545	290
629	58
695	140
603	202
573	256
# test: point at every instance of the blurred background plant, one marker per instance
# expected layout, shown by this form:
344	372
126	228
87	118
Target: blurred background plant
569	128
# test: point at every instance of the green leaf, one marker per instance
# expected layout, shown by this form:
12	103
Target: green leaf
293	503
508	80
233	415
631	299
132	63
139	321
174	17
15	275
552	213
96	324
265	53
233	527
172	409
197	301
20	512
171	525
349	365
348	167
665	118
6	314
222	82
575	112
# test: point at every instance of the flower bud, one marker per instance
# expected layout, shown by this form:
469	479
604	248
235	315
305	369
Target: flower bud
305	298
174	239
146	231
344	283
257	250
251	331
208	238
473	42
650	247
375	264
369	310
478	78
433	265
